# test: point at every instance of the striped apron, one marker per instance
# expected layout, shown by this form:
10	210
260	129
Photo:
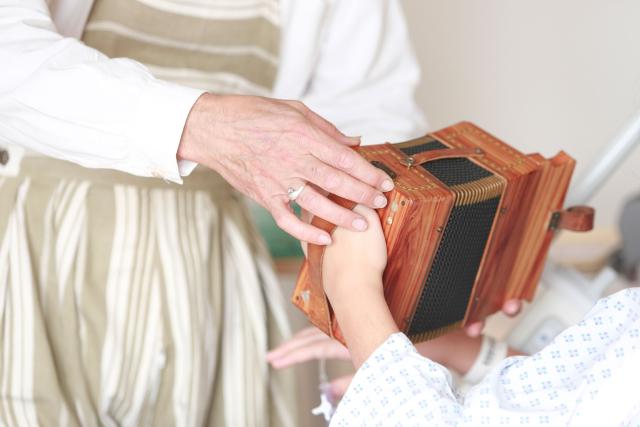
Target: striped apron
127	301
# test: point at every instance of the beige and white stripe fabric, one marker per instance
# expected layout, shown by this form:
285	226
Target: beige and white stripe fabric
225	46
127	301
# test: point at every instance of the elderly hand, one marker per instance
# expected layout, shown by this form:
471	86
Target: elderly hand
263	147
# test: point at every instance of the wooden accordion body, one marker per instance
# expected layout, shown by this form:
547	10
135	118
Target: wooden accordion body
468	226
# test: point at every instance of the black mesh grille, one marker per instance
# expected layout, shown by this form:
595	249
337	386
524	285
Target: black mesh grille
449	171
448	285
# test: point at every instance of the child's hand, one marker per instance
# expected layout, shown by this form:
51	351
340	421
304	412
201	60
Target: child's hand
357	258
352	277
358	255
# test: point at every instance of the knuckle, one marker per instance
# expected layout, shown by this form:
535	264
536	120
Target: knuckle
371	173
332	181
310	200
314	170
346	159
375	175
365	196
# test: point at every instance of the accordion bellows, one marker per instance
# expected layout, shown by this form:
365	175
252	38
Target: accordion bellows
468	226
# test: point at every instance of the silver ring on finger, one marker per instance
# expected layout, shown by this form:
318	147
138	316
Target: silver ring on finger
294	193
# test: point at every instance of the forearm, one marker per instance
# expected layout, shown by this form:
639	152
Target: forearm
366	323
363	315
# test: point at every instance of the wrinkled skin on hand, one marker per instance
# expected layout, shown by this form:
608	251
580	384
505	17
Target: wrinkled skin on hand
264	146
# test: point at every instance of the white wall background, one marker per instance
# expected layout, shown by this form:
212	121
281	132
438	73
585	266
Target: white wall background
543	75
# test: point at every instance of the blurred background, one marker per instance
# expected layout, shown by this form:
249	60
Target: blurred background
542	75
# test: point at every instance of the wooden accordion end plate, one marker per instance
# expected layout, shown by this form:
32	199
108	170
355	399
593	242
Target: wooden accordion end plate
475	216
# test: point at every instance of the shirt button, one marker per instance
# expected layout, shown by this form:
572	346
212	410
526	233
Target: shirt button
4	157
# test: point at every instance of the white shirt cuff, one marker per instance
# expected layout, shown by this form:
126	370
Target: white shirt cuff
157	125
185	167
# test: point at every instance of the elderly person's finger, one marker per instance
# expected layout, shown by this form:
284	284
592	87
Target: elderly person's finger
350	162
329	128
306	217
317	204
289	222
342	184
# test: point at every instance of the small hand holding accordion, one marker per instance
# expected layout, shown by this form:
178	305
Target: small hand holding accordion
467	227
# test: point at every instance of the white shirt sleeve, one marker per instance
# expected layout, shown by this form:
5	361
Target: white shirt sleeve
66	100
366	73
587	376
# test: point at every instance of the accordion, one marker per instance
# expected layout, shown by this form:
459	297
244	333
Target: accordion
467	226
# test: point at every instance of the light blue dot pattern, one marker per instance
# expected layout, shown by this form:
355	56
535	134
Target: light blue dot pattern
564	384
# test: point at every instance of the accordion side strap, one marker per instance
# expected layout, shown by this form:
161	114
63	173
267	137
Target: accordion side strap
576	218
315	253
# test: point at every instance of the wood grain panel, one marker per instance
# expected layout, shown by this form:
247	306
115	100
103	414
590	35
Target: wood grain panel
532	188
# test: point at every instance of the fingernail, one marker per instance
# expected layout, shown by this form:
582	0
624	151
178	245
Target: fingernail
380	202
359	224
324	240
387	185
